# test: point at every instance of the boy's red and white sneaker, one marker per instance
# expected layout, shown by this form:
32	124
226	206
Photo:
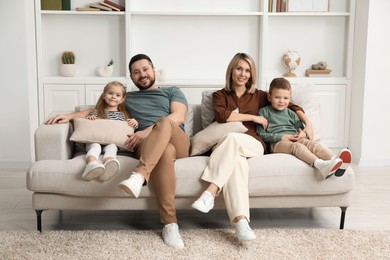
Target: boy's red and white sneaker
346	156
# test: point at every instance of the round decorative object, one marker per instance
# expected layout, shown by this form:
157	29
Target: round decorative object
105	71
291	60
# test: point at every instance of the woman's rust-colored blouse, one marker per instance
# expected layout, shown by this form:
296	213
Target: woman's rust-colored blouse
224	102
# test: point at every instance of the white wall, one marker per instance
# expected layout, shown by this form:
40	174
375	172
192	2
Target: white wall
370	121
370	91
15	74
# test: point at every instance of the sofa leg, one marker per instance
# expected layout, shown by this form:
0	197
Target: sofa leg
39	220
342	220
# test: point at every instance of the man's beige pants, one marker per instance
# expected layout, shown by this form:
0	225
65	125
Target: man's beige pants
157	154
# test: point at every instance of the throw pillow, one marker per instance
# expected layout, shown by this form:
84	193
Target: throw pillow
304	96
102	131
208	137
206	107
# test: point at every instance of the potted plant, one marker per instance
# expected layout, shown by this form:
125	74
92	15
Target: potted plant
68	68
107	70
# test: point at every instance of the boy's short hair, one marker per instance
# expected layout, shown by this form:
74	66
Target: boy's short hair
279	83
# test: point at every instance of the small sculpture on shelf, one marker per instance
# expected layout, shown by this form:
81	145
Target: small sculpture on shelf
68	67
107	70
318	69
291	60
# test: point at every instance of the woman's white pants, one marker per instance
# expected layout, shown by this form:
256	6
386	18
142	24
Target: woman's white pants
228	169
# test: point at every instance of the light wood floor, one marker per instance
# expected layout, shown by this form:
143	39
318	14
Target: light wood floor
370	209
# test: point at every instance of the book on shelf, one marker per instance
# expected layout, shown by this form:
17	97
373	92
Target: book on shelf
277	6
66	5
318	73
114	6
87	9
122	8
99	6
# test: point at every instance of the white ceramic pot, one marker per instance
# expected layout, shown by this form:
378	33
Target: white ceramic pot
105	71
68	70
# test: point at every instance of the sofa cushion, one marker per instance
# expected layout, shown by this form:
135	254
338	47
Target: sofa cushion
304	96
189	122
269	175
208	137
102	131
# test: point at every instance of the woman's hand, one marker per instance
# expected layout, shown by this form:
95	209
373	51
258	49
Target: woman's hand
261	120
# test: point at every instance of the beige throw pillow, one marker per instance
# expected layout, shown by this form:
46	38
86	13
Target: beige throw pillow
208	137
102	131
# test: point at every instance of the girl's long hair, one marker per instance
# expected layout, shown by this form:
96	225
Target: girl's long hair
101	104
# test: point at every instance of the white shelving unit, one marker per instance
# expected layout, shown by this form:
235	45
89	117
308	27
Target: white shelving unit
193	41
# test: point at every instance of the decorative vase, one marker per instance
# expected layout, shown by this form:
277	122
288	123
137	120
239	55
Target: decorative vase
105	71
68	70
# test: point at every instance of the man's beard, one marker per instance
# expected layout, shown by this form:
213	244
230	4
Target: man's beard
152	80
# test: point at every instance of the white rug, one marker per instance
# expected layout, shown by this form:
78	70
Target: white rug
199	244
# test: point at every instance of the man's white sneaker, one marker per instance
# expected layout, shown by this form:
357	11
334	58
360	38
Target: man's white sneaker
205	202
171	236
328	168
133	184
243	231
111	169
93	170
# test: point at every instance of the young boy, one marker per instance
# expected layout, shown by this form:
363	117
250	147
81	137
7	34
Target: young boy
285	134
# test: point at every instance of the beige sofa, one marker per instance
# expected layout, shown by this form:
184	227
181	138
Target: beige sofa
275	181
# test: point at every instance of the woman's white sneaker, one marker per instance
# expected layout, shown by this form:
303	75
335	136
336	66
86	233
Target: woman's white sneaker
243	231
205	203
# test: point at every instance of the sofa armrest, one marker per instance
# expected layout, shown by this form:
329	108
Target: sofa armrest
52	142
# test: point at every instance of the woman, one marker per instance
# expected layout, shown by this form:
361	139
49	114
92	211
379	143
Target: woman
227	169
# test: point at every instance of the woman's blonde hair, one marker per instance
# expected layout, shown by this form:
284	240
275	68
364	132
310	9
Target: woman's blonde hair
251	84
101	103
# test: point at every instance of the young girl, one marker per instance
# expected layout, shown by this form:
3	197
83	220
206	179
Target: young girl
284	134
109	106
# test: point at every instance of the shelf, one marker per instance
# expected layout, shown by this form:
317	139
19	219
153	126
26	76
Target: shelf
317	80
80	80
315	14
198	13
82	13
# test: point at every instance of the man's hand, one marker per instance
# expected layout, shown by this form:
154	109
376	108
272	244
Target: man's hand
135	139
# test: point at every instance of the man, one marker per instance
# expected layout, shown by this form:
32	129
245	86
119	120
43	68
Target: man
158	141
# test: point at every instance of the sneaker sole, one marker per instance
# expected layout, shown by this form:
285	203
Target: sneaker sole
346	156
334	169
112	168
198	208
94	173
125	188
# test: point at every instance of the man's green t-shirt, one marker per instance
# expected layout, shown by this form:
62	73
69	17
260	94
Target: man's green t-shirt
148	106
